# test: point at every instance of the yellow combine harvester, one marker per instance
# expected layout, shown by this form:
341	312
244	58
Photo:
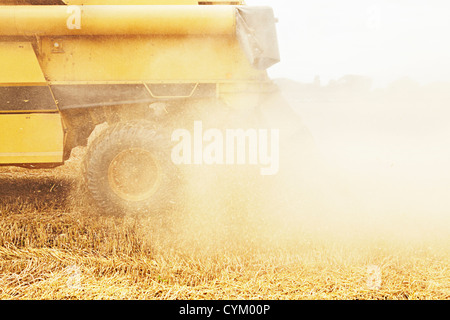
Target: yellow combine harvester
68	66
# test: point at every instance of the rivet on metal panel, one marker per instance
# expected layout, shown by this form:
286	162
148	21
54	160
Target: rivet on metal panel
57	46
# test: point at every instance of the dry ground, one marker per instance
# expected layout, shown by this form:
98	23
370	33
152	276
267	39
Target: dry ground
54	246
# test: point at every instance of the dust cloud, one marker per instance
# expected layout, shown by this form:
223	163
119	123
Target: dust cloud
389	148
356	164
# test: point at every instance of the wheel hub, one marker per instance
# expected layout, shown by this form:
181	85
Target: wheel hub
134	175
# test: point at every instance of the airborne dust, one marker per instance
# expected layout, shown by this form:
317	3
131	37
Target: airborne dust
356	165
363	180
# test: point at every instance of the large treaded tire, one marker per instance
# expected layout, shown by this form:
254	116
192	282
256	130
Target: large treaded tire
115	140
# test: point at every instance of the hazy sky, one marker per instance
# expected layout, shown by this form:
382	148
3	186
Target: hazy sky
384	39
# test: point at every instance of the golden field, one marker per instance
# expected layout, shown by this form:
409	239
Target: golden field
53	245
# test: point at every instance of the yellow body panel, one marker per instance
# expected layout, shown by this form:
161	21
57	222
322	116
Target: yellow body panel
116	20
103	59
122	2
19	65
128	2
63	48
31	138
133	42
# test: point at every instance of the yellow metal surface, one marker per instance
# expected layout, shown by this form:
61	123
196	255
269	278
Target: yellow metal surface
19	65
128	2
167	48
121	2
31	138
110	59
116	20
111	44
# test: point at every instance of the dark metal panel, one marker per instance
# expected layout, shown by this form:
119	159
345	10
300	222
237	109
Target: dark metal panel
98	95
95	95
30	98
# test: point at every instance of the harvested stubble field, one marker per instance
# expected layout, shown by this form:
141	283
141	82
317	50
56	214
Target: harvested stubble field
54	246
